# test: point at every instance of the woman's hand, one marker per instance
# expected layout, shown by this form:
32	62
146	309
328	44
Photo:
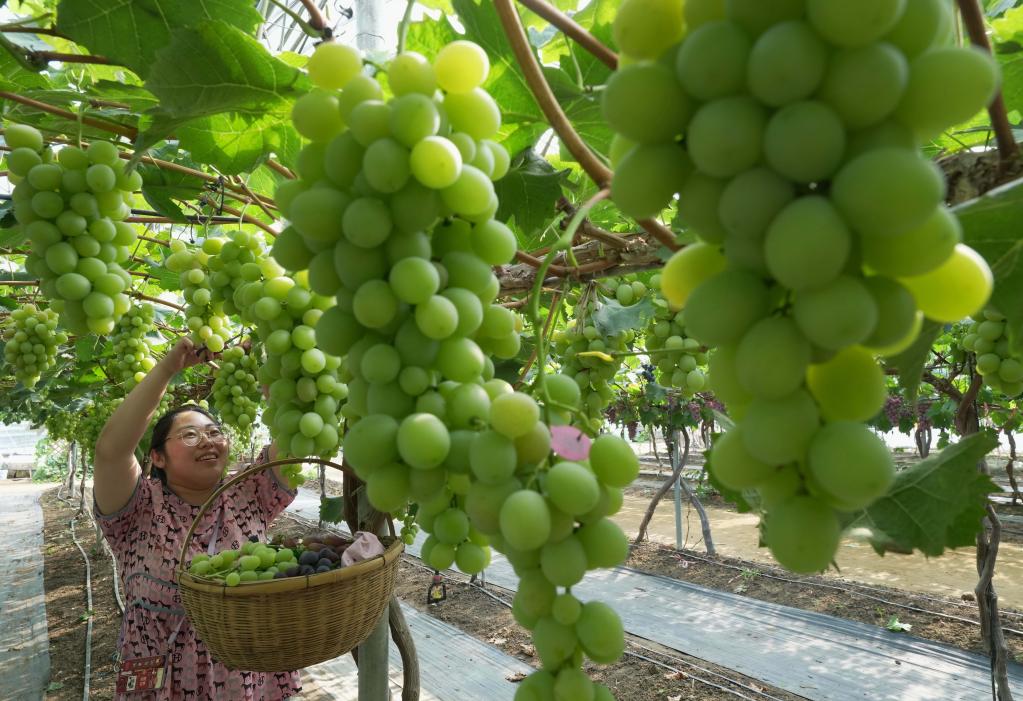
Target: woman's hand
184	354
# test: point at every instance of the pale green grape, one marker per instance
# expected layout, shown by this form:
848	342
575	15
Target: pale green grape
525	520
850	464
332	65
645	28
957	288
750	202
613	461
887	191
726	135
366	222
848	387
315	116
854	24
917	251
965	80
779	431
896	311
772	358
413	117
647	177
604	542
563	562
864	85
600	632
724	307
733	465
436	162
411	72
839	314
316	213
386	167
698	201
629	91
712	61
514	414
572	488
786	63
804	141
807	244
803	534
369	121
461	66
460	359
474	113
923	24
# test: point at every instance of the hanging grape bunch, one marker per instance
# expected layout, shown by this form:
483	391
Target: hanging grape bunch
72	206
587	354
132	354
205	317
32	339
988	339
236	391
823	237
678	359
392	216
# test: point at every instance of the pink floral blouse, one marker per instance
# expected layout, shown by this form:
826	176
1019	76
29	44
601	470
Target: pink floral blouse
147	535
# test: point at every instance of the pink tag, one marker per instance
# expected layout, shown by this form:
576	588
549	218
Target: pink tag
569	442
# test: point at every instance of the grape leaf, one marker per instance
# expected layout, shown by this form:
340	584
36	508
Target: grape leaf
161	187
612	318
214	68
16	78
130	32
234	142
936	504
991	227
529	192
332	509
909	364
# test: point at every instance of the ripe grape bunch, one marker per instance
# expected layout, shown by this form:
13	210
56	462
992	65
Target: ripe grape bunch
72	206
132	353
32	339
236	391
987	338
823	238
584	349
258	562
393	217
678	359
205	317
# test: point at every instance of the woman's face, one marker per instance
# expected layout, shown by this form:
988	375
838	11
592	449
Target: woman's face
198	466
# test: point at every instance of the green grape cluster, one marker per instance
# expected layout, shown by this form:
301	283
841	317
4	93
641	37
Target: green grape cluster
72	205
586	352
789	132
238	258
409	527
679	360
206	317
255	561
62	425
132	352
393	217
1001	369
306	395
236	391
32	339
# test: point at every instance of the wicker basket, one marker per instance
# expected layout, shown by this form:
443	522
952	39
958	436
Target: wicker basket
286	624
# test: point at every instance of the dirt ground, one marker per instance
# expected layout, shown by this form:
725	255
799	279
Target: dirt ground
67	612
646	673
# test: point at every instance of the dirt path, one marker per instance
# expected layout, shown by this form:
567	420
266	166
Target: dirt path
735	535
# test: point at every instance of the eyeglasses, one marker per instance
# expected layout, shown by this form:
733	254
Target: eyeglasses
193	436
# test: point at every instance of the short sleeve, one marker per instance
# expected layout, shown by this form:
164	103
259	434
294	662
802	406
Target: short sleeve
119	526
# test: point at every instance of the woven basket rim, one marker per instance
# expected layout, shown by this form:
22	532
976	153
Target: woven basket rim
275	586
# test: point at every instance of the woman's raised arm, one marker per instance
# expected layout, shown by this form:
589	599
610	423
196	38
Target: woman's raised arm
116	469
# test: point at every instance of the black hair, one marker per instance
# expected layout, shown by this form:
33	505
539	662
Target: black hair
162	429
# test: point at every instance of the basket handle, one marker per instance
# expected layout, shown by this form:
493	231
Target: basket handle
244	474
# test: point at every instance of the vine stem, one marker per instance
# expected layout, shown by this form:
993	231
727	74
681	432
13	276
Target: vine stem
316	20
541	89
118	129
137	295
571	29
70	58
973	20
564	241
403	24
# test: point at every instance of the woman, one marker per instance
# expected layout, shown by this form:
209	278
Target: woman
145	521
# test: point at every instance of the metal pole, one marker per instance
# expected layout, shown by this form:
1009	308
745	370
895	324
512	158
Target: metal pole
678	494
